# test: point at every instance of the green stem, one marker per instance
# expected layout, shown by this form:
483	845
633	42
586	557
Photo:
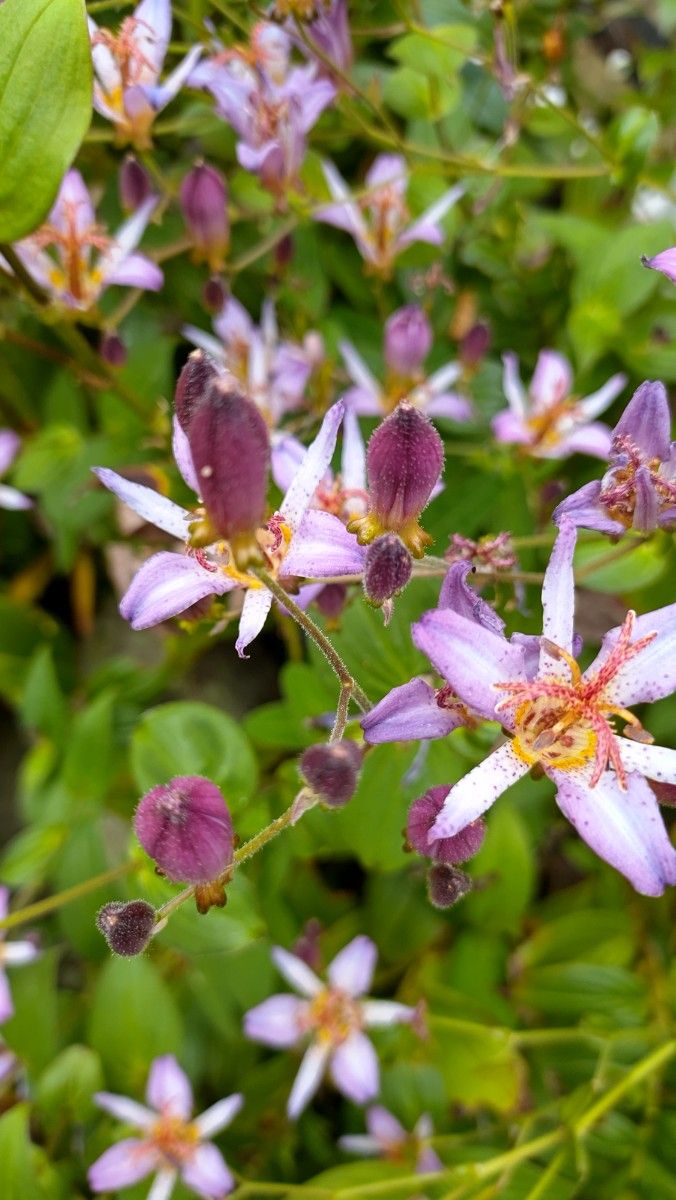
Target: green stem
643	1069
23	275
51	903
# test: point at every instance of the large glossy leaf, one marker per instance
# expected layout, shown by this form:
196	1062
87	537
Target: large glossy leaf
45	105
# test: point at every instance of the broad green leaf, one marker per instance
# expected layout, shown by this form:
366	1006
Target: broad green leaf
89	763
505	862
45	105
18	1173
32	1032
619	572
133	1018
66	1087
481	1068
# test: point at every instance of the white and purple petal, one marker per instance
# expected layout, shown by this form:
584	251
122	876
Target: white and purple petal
651	674
277	1021
296	972
166	585
152	506
354	1069
207	1173
352	969
122	1165
168	1089
477	791
322	546
408	713
558	602
585	509
257	605
126	1110
313	468
471	658
308	1079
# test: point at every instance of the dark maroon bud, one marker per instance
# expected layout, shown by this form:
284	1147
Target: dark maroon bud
134	183
204	200
307	946
421	817
186	827
474	346
230	448
214	294
408	339
446	885
195	379
331	600
332	770
126	925
113	350
387	569
284	252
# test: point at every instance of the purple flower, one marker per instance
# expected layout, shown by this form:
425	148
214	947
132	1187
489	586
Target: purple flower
9	448
334	1015
387	1138
638	491
295	543
561	720
73	276
431	395
127	69
665	262
329	31
408	340
548	421
173	1143
270	104
185	825
12	954
379	220
273	372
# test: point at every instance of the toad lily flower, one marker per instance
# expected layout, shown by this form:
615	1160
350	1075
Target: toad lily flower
227	536
334	1015
127	69
379	220
387	1138
549	422
12	954
561	720
9	448
638	491
72	277
172	1143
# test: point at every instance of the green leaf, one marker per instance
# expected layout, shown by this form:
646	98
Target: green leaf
480	1066
45	105
32	1032
505	861
133	1018
640	567
89	763
18	1175
66	1088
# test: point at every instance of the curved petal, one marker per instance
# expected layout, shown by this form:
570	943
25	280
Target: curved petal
511	429
286	456
207	1173
355	1070
651	675
585	509
296	972
352	969
624	828
472	659
163	1184
166	585
353	459
597	402
358	370
107	70
126	239
12	500
558	601
552	380
594	439
152	506
308	1079
136	270
219	1116
313	468
458	595
646	420
163	93
322	546
169	1088
646	502
151	35
125	1109
205	341
122	1165
257	605
426	227
656	762
408	713
449	406
475	792
512	386
360	1143
380	1014
73	198
384	1126
183	457
277	1021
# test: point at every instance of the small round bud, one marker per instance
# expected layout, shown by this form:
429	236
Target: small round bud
126	925
186	827
446	885
387	569
196	377
332	770
474	345
408	339
214	294
134	184
421	817
204	200
113	350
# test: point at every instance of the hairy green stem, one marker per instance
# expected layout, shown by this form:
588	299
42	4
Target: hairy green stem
42	908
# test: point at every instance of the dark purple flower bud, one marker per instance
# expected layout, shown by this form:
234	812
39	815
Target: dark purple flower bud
135	184
195	379
331	600
230	448
387	569
186	827
113	350
474	345
332	770
204	200
126	925
446	885
284	252
408	339
421	817
404	460
214	294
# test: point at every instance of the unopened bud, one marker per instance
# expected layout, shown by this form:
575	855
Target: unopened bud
331	600
186	827
404	460
421	817
387	569
332	770
408	339
195	379
214	294
134	184
113	350
230	448
127	925
284	252
446	885
474	345
204	200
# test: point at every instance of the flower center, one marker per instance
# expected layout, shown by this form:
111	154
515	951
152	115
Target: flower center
564	725
618	491
174	1139
545	426
333	1016
72	244
126	50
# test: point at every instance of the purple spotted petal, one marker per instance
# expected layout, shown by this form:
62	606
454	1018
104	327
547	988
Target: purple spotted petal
257	605
665	262
407	713
168	1088
651	675
206	1172
313	468
646	421
149	504
277	1021
558	601
476	791
655	762
122	1165
166	585
471	659
322	546
457	594
585	509
352	968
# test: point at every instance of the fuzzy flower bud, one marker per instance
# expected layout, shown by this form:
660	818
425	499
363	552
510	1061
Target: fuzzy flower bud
204	200
474	345
186	827
126	926
134	184
446	885
421	817
214	294
230	448
404	460
113	350
408	339
332	770
196	377
387	569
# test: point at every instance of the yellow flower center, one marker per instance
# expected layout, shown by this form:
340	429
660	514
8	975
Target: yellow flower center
333	1016
174	1138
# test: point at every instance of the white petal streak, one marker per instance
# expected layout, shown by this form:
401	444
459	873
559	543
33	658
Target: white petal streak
257	604
125	1109
183	456
558	601
213	1119
475	792
380	1013
655	762
150	505
314	465
359	372
651	674
353	461
308	1078
296	972
163	1185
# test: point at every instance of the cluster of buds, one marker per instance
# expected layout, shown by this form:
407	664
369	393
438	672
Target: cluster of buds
445	883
